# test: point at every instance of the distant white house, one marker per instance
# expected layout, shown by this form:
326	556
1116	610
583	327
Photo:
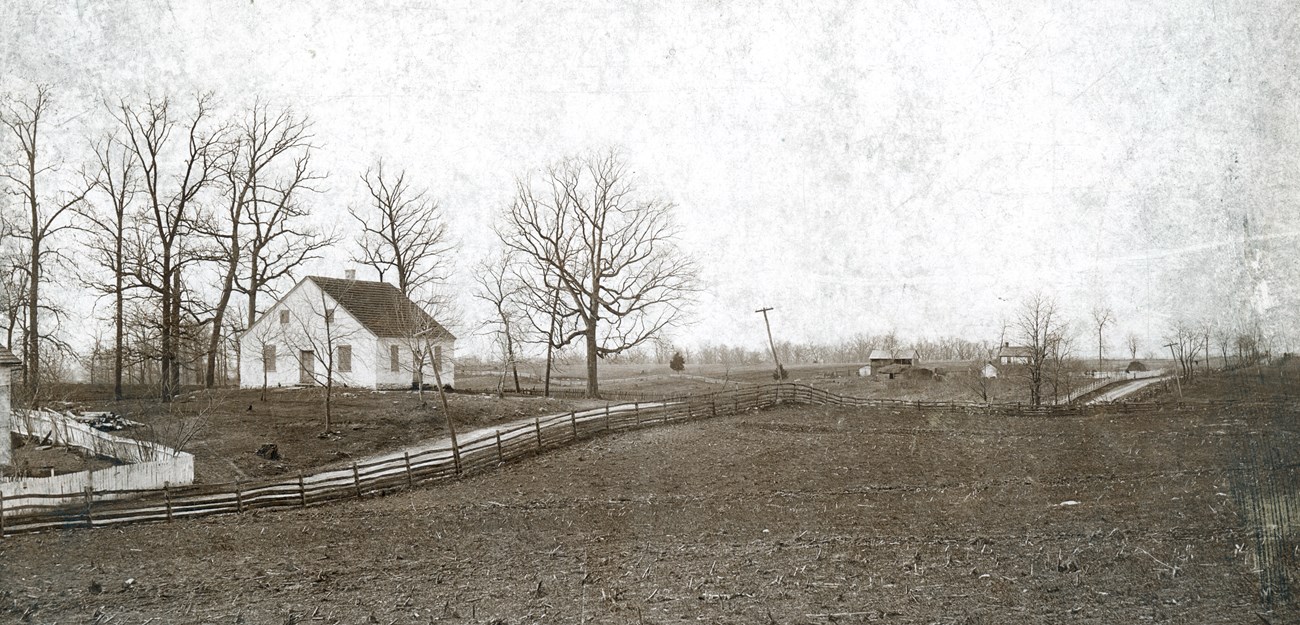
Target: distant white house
366	334
988	371
1010	354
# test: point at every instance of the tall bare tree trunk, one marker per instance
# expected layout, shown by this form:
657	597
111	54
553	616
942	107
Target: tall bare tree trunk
550	345
166	355
219	315
33	337
118	326
510	353
172	358
254	262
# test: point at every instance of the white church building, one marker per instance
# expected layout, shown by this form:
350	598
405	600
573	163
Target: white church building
361	333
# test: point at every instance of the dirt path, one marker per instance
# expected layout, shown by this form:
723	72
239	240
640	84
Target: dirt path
1119	391
510	431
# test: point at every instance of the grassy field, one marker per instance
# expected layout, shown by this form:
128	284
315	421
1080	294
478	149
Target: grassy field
957	380
225	428
1183	513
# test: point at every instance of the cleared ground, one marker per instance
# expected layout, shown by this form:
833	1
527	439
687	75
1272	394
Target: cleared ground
225	428
794	515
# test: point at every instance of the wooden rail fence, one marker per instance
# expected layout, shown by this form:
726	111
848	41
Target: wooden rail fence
477	453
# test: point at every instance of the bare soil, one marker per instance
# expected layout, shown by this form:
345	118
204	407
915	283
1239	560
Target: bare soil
793	515
32	459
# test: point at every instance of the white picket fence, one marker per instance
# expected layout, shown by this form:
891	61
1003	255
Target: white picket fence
147	465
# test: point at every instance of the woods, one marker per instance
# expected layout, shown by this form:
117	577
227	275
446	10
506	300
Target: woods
187	208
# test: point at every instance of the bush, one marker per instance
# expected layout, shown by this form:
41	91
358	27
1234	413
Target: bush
678	362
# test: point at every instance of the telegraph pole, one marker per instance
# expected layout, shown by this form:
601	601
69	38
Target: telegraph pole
1177	378
770	342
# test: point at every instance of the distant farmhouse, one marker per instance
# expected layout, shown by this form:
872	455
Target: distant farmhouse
367	334
988	371
1010	354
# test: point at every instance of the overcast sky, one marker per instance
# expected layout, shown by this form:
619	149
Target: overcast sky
861	167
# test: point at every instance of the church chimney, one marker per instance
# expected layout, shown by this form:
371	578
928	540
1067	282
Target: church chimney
350	274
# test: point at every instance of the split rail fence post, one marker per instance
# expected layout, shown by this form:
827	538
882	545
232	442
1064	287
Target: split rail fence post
410	479
573	422
302	490
713	405
537	424
501	458
606	416
167	495
356	479
636	410
239	498
2	514
455	453
90	495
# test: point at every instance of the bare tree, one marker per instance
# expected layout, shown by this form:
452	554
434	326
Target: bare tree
981	385
1184	343
44	213
281	237
1249	346
1101	317
426	339
1206	328
117	181
1037	326
1133	343
496	287
13	284
261	140
317	343
1223	336
1060	354
539	289
401	230
613	258
163	248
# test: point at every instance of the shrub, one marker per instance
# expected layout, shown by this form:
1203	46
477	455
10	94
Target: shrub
678	363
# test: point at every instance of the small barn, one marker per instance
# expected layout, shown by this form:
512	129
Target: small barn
883	357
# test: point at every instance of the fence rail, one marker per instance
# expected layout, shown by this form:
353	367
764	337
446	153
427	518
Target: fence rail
477	453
